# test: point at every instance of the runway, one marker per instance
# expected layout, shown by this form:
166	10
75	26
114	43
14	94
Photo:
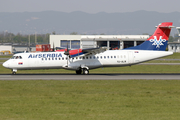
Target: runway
90	77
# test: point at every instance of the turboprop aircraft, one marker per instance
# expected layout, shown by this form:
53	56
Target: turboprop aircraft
82	60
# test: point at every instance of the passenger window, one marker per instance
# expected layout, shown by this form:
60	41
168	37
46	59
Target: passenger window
76	57
111	56
62	58
52	58
45	58
90	57
59	58
97	57
101	57
86	57
55	58
42	59
114	56
49	58
104	57
94	57
83	57
108	57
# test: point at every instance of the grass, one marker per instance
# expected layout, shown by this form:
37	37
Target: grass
163	61
97	100
6	56
174	56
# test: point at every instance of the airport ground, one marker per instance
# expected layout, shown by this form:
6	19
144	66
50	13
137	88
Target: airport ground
89	99
93	99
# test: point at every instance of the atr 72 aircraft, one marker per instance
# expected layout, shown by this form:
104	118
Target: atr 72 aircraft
82	60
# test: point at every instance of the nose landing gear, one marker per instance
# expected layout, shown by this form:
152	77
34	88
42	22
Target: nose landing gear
14	71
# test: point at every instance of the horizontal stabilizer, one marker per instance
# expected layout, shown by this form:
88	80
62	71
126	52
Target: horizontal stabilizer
166	27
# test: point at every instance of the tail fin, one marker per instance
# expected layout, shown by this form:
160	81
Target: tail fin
158	41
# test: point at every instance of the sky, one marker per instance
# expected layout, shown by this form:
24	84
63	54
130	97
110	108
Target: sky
90	6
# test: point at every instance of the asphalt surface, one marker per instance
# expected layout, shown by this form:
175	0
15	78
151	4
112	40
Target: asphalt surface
90	77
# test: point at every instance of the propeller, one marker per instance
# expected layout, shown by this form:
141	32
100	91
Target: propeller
66	50
53	47
67	53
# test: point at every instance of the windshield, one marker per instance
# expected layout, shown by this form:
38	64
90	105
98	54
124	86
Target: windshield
16	57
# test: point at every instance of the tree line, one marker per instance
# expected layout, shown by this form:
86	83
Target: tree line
6	37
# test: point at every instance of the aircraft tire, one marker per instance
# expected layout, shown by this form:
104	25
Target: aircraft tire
14	73
78	72
85	71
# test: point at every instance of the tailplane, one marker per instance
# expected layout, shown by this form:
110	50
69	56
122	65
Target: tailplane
158	41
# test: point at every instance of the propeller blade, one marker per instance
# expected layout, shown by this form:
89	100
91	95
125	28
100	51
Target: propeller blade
66	50
67	53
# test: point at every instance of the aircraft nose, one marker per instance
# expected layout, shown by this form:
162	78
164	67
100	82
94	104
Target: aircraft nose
6	64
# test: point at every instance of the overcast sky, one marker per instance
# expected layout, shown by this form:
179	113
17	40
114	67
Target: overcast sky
89	6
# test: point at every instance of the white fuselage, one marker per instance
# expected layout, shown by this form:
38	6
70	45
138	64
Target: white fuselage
110	58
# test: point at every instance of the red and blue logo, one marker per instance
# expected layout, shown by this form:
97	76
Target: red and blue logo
20	63
157	42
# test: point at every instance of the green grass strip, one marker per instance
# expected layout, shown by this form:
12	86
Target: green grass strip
90	100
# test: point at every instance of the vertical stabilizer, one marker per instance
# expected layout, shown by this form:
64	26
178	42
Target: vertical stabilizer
158	41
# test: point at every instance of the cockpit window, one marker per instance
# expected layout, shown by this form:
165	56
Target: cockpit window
16	57
13	57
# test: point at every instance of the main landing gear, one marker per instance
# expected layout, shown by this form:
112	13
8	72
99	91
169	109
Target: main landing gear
85	71
78	72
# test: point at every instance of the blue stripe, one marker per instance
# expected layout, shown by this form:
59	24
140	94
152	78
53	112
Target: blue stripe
147	45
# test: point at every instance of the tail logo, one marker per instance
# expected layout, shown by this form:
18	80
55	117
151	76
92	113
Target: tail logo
156	42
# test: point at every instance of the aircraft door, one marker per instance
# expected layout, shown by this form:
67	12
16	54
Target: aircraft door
130	57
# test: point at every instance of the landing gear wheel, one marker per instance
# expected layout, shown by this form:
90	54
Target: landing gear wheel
13	73
78	71
85	71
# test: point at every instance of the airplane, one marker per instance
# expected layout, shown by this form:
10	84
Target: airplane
83	60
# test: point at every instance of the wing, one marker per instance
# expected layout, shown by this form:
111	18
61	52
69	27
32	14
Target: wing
85	52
